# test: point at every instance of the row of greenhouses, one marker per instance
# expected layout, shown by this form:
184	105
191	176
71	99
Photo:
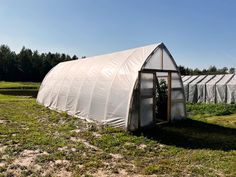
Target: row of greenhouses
210	88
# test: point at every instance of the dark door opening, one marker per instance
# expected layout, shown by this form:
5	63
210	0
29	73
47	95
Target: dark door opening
161	100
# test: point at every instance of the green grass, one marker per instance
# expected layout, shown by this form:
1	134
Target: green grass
19	88
13	85
220	114
203	145
204	109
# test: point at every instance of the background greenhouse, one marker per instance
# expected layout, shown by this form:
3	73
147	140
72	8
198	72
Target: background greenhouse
210	88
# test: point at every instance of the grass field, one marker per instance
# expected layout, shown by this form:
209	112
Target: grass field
18	85
36	141
19	88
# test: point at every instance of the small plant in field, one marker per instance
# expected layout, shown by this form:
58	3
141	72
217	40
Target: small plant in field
152	169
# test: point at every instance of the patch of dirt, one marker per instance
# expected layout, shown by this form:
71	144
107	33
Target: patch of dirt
97	135
2	148
118	167
101	173
57	168
26	158
63	148
161	145
63	173
73	149
56	134
116	156
3	121
25	162
120	173
2	164
142	146
61	162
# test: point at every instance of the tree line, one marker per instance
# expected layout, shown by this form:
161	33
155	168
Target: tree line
28	65
211	70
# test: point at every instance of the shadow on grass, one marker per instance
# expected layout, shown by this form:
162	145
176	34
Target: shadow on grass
193	134
20	92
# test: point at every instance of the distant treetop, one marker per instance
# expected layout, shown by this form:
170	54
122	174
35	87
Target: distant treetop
28	65
211	70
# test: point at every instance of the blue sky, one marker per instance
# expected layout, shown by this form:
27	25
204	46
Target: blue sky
198	33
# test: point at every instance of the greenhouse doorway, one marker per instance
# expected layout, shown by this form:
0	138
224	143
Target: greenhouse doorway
154	97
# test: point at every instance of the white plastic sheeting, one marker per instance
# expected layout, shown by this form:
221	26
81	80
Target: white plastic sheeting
185	78
192	94
231	90
146	90
201	89
186	86
177	98
101	88
221	89
211	88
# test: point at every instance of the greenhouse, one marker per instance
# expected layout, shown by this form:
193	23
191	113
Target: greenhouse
221	89
186	85
131	89
201	89
193	94
231	90
210	88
